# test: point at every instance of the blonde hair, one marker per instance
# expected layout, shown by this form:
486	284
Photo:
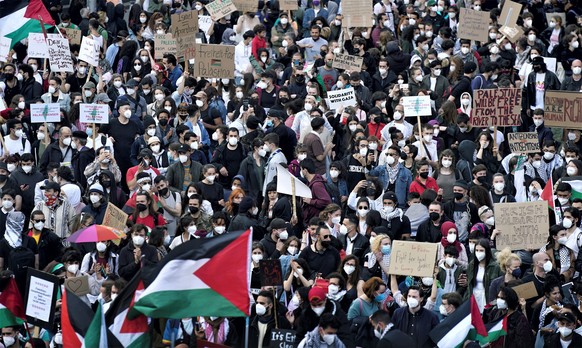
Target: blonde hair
505	257
377	241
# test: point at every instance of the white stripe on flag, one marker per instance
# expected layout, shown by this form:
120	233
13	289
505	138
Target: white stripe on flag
457	333
178	275
13	21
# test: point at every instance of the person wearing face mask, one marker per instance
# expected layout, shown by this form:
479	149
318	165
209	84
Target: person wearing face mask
55	95
423	181
11	337
574	82
97	203
144	212
136	253
353	242
566	335
510	264
145	166
373	297
186	230
16	142
82	158
506	306
297	276
556	245
482	262
563	200
112	54
450	238
278	32
545	135
393	217
30	89
320	197
8	201
425	320
448	273
540	76
262	320
436	84
141	142
387	334
275	240
102	260
246	217
137	103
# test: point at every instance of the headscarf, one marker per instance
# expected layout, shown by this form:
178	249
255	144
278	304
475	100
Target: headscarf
226	37
445	228
14	228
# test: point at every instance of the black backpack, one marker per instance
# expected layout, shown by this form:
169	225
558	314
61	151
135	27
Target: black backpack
334	193
20	259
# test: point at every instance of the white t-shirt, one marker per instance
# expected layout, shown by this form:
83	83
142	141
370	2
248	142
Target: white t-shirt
15	146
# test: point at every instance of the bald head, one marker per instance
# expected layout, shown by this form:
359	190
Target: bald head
537	257
577	67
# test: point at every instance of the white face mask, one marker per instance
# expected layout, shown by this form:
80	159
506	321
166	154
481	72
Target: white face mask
94	199
329	339
73	268
471	247
127	113
8	341
160	97
450	261
352	127
443	311
138	240
447	163
562	240
183	158
257	257
499	186
565	331
364	151
318	310
363	212
451	237
146	187
336	220
199	103
412	302
27	169
210	178
548	266
292	250
101	247
562	200
567	223
156	148
349	269
480	255
577	70
151	132
334	173
571	171
219	229
260	309
501	303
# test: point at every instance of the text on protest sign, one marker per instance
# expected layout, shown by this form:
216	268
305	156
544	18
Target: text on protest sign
40	113
220	8
74	35
214	61
94	113
87	53
204	22
4	48
522	225
342	97
417	106
563	109
40	298
357	13
413	258
347	62
185	24
60	54
496	107
114	217
37	47
523	142
288	5
248	5
512	33
473	25
164	43
186	47
283	338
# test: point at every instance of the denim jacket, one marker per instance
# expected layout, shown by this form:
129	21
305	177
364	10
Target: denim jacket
403	181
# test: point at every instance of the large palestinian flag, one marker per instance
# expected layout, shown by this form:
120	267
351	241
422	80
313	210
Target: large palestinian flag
464	323
202	277
76	317
576	183
20	17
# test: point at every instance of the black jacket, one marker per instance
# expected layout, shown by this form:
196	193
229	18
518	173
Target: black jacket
254	329
528	99
52	154
395	338
50	248
308	320
253	184
127	266
81	159
428	232
553	341
361	244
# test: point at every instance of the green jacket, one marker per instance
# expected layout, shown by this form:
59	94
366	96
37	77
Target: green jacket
175	175
492	271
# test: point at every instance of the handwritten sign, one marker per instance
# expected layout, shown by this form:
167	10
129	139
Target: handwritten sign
4	48
94	113
522	225
509	14
357	13
512	33
496	107
347	62
78	285
342	97
474	25
417	106
186	46
204	22
88	53
526	291
214	61
220	8
164	43
185	24
271	272
413	258
288	5
246	6
59	54
37	47
40	113
563	109
74	35
114	217
283	338
41	296
523	142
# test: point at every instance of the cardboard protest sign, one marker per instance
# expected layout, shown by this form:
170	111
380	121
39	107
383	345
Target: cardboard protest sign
164	43
285	186
509	14
59	54
245	6
473	25
37	47
184	24
214	61
220	8
40	113
526	291
342	97
40	298
271	272
413	258
523	142
74	35
347	62
4	48
357	13
78	285
186	46
522	225
563	109
283	338
496	107
94	113
417	106
87	53
114	217
288	5
512	33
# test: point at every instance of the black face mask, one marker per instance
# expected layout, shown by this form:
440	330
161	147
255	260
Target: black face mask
537	68
325	243
163	192
434	216
141	207
163	122
377	119
194	210
356	50
458	196
482	179
3	177
370	191
300	80
423	175
283	100
106	183
9	76
323	53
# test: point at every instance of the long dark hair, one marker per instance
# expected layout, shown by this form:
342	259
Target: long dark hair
151	210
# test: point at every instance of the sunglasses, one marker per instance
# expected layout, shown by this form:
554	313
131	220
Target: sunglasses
365	208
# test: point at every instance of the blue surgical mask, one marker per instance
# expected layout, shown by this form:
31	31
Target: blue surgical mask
385	249
380	298
89	131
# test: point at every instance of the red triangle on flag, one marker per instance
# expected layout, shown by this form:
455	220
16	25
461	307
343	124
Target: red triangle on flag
548	194
37	10
139	323
476	319
228	267
12	299
70	338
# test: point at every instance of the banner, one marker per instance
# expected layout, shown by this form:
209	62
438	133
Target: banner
114	217
473	25
522	225
94	113
74	35
283	338
417	106
220	8
214	61
496	107
59	54
40	298
512	33
4	48
413	258
342	97
87	53
563	109
40	113
37	47
357	13
185	24
523	142
347	62
164	43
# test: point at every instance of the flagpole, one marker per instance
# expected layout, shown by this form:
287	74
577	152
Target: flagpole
247	324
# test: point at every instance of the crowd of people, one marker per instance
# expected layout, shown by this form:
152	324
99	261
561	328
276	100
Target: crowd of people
188	157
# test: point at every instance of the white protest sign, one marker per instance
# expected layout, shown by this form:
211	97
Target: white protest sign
417	106
87	53
342	97
40	113
204	23
4	48
284	184
37	46
59	54
94	113
39	301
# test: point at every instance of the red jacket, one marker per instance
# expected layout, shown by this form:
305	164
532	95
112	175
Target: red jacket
417	186
256	44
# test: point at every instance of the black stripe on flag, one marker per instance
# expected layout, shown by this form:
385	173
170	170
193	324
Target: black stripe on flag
8	7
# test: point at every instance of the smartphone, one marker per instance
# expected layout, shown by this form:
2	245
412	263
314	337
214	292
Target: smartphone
246	102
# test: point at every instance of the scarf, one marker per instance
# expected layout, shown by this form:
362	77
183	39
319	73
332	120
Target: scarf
445	231
393	172
14	227
544	311
385	261
215	330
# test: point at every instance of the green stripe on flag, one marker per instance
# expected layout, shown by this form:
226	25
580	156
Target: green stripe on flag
29	26
7	318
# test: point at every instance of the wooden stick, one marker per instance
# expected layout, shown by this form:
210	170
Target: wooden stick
495	138
89	74
94	134
294	199
421	147
275	308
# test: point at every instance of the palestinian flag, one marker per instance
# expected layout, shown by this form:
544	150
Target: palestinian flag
96	336
76	317
7	318
465	323
11	299
125	332
548	194
20	17
202	277
497	330
576	183
478	332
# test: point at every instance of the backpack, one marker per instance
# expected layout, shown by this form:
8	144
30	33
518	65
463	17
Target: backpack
334	193
20	259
